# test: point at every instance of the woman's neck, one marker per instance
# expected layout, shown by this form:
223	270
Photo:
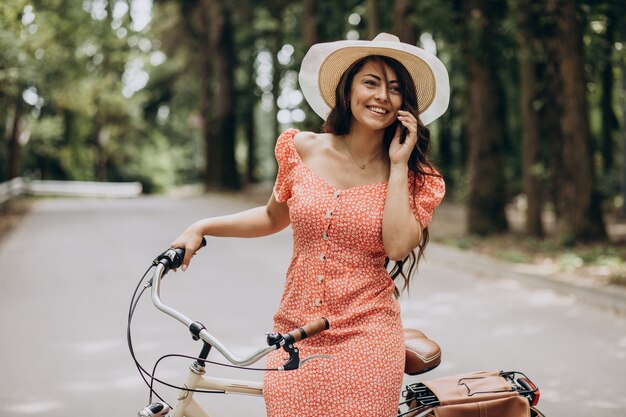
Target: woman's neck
363	143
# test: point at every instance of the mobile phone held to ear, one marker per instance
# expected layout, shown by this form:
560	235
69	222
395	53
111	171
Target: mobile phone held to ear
403	133
403	129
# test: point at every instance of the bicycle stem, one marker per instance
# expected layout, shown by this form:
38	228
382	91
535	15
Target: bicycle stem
203	333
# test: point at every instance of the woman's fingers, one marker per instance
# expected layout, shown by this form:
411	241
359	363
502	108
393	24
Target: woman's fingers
409	122
189	241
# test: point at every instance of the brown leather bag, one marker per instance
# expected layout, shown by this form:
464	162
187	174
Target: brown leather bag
477	394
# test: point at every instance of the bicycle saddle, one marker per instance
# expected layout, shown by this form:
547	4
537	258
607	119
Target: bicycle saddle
422	354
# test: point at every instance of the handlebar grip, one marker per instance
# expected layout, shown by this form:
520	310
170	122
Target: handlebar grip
173	257
309	329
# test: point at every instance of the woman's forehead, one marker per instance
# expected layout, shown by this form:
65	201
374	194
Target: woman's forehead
378	68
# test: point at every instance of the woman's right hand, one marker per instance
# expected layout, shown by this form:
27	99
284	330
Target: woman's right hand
191	241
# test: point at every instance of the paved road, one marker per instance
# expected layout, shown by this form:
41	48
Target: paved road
70	267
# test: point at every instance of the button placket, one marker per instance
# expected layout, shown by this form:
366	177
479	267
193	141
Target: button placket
328	215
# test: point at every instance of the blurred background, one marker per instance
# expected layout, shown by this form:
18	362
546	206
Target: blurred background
187	98
173	93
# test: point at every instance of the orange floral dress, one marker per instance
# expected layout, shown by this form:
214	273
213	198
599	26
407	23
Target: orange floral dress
337	271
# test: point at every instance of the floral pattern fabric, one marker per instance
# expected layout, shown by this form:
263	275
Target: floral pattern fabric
337	271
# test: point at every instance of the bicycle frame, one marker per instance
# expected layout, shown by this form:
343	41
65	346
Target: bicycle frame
187	406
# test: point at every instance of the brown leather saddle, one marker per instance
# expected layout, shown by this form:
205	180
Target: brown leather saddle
422	354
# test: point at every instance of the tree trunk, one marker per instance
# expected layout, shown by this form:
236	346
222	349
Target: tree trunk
372	22
199	19
222	44
246	97
609	120
486	200
14	146
581	215
550	90
446	155
276	77
530	119
309	23
310	32
623	173
402	28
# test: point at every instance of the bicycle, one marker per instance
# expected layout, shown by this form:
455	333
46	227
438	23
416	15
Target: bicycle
422	355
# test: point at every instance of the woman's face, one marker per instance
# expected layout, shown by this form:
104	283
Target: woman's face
374	98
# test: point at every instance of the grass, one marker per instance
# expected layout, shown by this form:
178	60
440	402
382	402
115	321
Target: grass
603	262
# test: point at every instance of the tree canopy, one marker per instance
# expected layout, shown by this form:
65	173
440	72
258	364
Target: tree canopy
171	92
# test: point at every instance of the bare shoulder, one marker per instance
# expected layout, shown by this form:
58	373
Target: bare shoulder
308	143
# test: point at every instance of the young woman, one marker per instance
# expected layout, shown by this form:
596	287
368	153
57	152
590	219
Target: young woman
357	195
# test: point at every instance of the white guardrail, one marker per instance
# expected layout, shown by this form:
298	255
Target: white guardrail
19	186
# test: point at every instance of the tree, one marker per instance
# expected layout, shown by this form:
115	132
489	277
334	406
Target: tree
223	46
580	215
486	199
402	26
373	23
528	50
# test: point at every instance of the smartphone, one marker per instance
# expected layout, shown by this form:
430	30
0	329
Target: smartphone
403	130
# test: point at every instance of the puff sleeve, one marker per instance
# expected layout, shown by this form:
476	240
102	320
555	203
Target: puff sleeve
287	158
425	196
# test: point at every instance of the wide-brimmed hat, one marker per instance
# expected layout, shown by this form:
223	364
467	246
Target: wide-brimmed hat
325	63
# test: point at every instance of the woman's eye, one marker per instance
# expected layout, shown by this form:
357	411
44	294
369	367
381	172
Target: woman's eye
370	82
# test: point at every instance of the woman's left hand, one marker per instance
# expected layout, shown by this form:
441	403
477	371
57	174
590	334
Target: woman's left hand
399	153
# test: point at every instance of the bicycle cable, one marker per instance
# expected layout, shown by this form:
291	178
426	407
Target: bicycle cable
151	375
179	355
131	311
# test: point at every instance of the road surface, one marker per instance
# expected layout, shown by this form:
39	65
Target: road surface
71	265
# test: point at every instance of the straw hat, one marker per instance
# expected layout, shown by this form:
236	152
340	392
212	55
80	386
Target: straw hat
325	63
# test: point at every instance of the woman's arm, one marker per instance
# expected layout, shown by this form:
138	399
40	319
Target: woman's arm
401	230
255	222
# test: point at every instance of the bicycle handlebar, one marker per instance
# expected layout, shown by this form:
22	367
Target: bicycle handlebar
308	330
171	259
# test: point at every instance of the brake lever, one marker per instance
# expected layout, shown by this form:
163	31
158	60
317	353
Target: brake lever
319	356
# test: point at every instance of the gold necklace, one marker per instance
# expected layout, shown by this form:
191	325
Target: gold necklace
362	166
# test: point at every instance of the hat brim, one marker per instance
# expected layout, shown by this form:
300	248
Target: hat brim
325	63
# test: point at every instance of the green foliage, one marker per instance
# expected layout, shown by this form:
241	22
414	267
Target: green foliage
85	123
156	164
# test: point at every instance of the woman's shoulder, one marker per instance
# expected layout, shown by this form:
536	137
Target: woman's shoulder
307	143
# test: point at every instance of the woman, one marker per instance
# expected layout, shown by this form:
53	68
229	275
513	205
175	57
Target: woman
357	195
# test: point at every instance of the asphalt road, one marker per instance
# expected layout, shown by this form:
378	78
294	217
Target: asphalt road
70	267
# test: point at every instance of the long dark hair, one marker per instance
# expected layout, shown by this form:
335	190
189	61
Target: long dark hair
339	122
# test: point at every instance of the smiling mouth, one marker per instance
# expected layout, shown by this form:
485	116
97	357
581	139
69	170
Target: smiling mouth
377	110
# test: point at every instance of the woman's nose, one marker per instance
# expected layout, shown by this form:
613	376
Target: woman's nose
382	94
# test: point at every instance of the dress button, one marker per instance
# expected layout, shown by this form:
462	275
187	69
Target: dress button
324	235
329	214
322	257
318	302
336	194
320	279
